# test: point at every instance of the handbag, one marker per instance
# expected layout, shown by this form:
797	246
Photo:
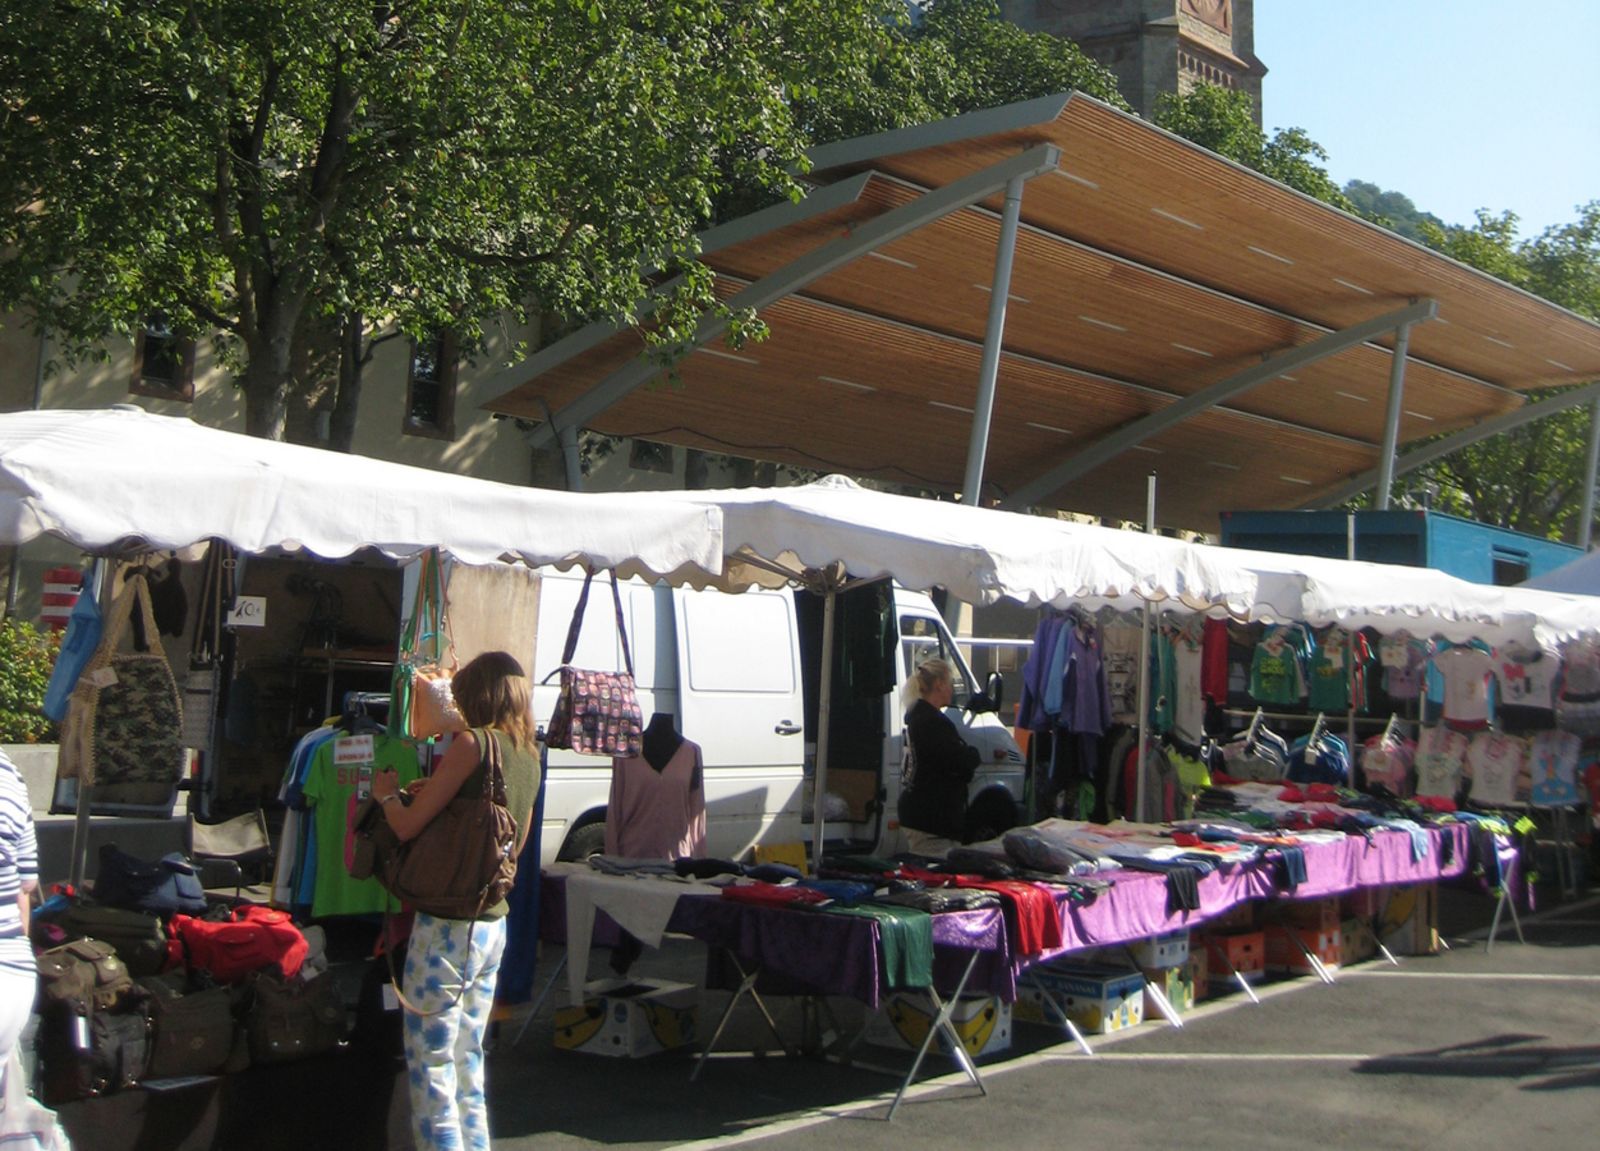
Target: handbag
597	712
464	860
192	1033
202	684
251	938
422	704
290	1019
123	734
81	976
165	887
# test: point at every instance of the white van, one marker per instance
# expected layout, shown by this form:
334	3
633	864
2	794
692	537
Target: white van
740	675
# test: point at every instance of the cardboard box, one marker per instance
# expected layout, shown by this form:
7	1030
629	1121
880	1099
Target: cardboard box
1176	983
1097	999
1171	950
1239	917
982	1021
1409	922
1363	902
1241	951
629	1018
1311	914
1284	956
1357	943
1199	973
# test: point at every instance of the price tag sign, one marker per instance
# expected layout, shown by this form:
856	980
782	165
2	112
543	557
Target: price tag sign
353	751
248	611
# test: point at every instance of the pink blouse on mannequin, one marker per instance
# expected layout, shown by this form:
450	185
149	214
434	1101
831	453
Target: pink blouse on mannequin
657	814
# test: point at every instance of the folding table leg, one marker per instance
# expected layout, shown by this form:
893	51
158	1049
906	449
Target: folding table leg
1071	1028
1317	966
1244	984
1505	901
1158	997
942	1025
747	986
538	1001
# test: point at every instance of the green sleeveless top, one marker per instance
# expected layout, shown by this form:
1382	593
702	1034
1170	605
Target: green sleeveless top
520	766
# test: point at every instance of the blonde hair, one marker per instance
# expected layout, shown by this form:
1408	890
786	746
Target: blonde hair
929	674
493	691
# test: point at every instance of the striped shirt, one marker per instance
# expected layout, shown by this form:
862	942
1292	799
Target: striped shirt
19	865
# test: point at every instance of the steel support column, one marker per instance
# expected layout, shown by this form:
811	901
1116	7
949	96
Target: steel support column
1110	446
1391	419
994	335
1410	461
1586	522
812	266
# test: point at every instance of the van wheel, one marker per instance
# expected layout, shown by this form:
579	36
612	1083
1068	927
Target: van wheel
990	815
590	839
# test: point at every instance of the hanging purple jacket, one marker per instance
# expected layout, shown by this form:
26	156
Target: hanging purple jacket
1031	713
1086	698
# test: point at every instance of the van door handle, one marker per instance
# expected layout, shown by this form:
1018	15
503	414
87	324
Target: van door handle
786	727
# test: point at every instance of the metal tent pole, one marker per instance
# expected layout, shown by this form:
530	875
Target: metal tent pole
1144	665
824	729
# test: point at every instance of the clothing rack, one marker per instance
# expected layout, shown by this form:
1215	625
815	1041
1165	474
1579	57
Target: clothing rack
1292	717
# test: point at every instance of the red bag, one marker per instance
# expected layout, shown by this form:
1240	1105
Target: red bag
230	949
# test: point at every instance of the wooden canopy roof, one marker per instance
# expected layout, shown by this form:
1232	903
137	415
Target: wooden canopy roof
1146	269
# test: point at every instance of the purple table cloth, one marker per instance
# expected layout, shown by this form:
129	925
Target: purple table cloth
1136	906
812	951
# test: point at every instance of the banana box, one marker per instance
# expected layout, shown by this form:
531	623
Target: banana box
1176	983
1409	922
1097	999
982	1021
630	1018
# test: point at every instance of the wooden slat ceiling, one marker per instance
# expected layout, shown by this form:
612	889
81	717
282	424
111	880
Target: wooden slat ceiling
1149	271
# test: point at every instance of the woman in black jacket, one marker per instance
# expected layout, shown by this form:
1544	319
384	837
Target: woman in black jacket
939	765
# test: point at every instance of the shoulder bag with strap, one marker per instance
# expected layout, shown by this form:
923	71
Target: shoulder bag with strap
422	704
597	712
124	729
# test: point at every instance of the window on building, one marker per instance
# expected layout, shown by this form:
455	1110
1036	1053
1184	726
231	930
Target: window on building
648	456
1510	567
431	387
163	361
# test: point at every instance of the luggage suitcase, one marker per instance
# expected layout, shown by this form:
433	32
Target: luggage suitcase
136	936
81	1056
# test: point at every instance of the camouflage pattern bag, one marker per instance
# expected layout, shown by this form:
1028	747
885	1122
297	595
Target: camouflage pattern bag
124	729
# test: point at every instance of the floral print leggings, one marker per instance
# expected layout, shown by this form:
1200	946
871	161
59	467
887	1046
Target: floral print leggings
444	1051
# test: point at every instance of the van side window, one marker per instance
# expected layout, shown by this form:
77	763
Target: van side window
920	639
732	640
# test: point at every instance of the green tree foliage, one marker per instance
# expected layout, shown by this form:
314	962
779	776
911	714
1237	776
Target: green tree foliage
956	56
293	176
1531	478
27	656
1392	209
1221	119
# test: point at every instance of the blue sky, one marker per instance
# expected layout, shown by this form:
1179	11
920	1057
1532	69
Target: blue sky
1460	104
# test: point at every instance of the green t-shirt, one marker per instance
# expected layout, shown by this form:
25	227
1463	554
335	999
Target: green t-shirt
333	786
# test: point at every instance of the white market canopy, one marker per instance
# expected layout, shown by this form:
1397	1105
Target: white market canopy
981	556
112	480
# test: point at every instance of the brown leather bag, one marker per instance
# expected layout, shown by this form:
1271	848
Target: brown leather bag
463	862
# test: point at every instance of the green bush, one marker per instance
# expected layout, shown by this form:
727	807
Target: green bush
27	656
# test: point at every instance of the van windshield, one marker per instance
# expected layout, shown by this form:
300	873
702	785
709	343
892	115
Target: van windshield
922	638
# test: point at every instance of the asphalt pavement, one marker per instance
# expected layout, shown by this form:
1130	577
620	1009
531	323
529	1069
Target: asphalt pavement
1474	1047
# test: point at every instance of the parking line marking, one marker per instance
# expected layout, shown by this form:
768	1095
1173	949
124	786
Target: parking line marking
1530	976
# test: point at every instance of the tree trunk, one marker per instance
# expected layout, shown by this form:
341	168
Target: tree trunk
266	398
352	363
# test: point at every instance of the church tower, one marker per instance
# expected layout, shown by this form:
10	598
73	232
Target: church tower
1154	47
